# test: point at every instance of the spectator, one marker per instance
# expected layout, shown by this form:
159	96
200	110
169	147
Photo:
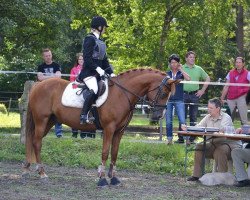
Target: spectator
236	95
175	101
240	157
49	69
217	148
96	64
192	93
75	71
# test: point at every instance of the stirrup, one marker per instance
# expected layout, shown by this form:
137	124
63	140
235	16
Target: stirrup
84	119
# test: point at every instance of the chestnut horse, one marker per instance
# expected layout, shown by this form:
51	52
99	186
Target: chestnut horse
44	108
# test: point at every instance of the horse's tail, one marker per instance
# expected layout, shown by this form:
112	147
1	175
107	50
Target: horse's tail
29	132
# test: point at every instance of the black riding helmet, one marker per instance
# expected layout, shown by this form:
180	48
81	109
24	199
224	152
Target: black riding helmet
98	21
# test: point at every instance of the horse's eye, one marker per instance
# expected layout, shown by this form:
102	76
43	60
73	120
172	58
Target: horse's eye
164	95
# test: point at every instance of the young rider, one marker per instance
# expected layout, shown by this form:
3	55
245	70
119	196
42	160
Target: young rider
96	64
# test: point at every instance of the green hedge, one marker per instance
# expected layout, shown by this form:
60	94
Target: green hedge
3	109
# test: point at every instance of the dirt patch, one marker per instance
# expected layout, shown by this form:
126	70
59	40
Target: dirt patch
79	183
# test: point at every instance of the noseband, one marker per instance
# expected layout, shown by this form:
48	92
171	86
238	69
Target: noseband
160	91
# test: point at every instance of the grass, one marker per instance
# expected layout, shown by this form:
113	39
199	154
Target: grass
10	121
148	157
143	121
133	154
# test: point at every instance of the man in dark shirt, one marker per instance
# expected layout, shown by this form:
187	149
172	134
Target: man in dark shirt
49	69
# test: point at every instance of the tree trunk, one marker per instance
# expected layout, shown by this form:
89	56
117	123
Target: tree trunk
239	30
165	27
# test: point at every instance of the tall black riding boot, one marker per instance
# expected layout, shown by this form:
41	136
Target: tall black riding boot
89	99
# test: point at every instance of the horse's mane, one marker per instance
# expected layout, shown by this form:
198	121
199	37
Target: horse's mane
141	70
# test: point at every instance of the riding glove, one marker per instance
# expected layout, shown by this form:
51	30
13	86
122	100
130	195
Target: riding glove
100	71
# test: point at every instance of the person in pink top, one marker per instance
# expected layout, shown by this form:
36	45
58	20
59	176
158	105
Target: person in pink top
236	95
74	72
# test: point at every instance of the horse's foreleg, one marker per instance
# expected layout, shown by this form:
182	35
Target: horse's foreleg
114	152
107	136
41	171
26	169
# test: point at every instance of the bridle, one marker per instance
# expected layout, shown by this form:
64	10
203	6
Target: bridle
160	93
153	103
141	99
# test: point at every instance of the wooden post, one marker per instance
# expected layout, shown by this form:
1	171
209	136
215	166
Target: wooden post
23	105
160	129
9	106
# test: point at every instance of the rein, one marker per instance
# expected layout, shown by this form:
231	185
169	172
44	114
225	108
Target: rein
125	91
141	98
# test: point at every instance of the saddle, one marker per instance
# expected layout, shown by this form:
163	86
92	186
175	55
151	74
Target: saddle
73	95
83	87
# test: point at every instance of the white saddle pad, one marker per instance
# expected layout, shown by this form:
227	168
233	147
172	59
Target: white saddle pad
71	99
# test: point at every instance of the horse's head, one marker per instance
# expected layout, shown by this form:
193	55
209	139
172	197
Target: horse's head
158	96
154	84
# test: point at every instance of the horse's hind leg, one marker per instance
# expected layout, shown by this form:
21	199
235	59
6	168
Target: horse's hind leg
37	144
114	151
37	149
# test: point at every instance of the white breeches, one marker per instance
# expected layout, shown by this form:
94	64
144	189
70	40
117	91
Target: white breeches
91	83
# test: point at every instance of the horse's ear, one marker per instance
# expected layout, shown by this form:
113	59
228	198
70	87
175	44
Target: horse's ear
171	81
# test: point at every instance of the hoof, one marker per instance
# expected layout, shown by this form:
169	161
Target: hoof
44	176
102	182
115	181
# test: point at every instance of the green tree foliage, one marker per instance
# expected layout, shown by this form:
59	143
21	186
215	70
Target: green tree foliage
141	33
26	27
